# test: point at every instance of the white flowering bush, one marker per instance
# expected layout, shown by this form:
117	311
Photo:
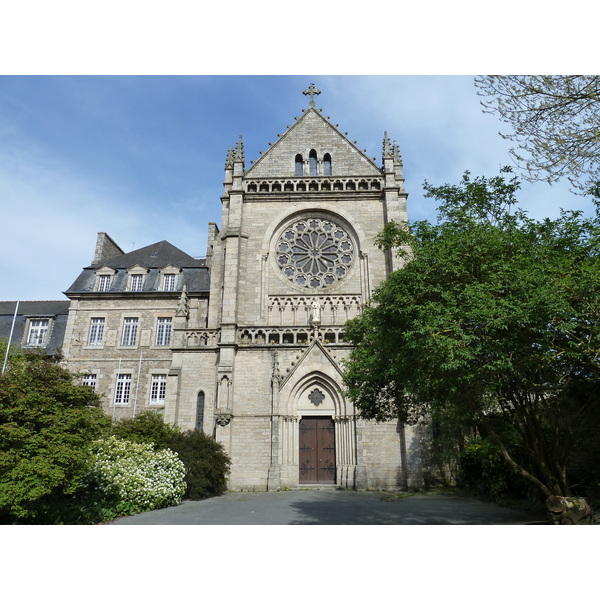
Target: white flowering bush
135	476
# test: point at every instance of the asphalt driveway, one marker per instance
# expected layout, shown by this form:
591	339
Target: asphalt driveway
333	507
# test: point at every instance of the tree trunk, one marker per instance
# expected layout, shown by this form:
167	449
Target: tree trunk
565	510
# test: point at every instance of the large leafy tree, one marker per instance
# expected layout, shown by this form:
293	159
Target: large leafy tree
494	319
555	122
47	423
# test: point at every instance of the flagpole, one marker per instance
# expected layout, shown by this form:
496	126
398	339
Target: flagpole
10	336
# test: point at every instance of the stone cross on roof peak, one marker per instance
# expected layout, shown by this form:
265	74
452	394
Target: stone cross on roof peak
311	91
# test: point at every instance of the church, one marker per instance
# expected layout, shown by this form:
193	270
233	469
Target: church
248	344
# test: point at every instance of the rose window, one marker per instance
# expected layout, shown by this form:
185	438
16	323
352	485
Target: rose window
314	253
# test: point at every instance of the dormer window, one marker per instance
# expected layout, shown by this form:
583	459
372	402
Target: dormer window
104	283
137	281
327	165
299	170
38	332
169	282
312	163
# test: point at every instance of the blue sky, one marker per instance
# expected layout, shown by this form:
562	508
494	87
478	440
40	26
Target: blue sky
142	157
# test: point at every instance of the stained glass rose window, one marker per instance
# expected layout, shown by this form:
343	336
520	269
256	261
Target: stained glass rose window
314	253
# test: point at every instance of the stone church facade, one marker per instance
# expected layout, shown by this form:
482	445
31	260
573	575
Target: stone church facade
248	344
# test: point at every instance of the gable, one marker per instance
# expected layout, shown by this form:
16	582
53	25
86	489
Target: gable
314	357
313	132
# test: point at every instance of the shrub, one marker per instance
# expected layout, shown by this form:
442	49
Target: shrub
206	464
134	477
147	427
484	472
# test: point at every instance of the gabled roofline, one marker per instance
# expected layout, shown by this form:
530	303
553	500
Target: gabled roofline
317	112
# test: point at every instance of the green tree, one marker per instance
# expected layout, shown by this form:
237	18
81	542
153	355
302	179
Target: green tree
555	123
494	317
47	424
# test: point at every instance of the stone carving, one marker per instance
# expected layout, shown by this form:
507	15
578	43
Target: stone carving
182	308
316	312
223	419
316	396
311	91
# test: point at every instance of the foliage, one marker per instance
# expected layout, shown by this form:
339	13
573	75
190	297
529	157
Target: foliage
496	316
148	426
47	424
135	475
206	464
555	122
484	472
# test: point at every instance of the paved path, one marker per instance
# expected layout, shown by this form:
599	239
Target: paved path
331	507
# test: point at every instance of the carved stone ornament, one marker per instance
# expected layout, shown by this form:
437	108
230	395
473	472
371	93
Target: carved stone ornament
182	308
316	396
223	419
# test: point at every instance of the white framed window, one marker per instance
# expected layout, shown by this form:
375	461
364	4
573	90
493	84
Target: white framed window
129	331
163	331
89	380
169	282
96	331
137	281
103	283
158	389
38	332
123	388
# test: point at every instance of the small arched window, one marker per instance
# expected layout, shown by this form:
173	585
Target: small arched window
327	165
299	166
312	162
200	411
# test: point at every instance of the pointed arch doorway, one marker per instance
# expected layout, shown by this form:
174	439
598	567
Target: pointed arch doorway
316	439
317	453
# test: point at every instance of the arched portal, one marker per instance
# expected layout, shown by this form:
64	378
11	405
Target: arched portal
317	432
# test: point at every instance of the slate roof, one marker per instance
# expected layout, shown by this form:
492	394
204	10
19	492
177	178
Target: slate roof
194	272
154	256
57	310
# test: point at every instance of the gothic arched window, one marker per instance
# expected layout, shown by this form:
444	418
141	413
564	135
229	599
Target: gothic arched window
327	165
312	162
200	411
299	170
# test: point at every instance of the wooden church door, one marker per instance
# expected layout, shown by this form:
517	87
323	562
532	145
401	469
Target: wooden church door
317	450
